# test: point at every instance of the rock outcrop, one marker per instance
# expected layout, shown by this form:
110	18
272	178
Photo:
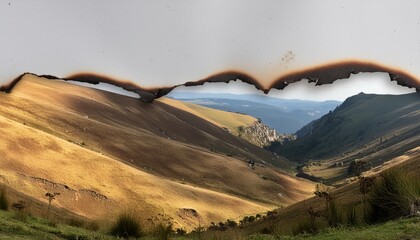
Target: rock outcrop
261	135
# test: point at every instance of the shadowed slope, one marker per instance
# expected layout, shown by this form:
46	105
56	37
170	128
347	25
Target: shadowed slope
359	120
363	132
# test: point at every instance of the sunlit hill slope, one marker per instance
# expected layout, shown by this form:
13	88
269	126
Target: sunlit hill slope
106	153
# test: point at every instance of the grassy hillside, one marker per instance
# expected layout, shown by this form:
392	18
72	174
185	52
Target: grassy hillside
364	132
360	120
286	221
223	119
38	228
14	228
399	229
241	125
284	115
106	153
90	183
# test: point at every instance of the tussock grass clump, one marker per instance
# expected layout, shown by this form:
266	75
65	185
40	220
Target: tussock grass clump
127	226
74	222
394	195
4	203
162	231
305	227
352	216
333	214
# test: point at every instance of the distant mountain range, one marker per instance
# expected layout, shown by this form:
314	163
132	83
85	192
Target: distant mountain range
284	115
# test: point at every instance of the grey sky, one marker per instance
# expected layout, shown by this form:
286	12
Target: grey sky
161	43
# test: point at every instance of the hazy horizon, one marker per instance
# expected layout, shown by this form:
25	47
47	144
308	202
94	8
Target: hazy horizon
369	83
378	83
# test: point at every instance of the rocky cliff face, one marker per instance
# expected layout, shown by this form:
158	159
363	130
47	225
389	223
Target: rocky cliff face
261	135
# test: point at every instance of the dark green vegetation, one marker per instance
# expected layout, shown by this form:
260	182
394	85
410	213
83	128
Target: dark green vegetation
395	194
360	120
127	226
37	228
34	228
284	115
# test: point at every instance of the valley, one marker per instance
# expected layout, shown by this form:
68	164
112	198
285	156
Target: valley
286	116
106	154
366	131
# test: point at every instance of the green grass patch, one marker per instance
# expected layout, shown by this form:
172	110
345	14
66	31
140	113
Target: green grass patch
35	228
399	229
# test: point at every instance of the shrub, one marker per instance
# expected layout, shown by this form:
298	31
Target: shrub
4	203
162	231
181	231
305	227
393	195
126	226
231	223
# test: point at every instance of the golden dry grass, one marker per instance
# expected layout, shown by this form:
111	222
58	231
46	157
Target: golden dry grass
36	154
106	153
229	120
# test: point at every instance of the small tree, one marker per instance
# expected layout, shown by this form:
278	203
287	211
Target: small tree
332	213
251	219
181	231
20	206
51	197
323	192
365	185
198	230
231	223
